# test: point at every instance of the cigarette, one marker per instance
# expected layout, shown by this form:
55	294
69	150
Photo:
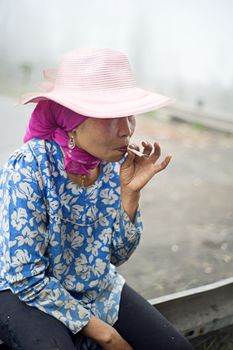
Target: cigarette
138	153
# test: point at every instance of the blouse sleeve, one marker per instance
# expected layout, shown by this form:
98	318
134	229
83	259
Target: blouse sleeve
126	236
25	223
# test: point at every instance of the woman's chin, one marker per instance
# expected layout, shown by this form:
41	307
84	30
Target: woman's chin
115	157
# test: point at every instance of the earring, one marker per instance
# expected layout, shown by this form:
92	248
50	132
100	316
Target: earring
71	143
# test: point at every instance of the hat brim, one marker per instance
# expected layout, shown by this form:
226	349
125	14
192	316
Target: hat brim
105	104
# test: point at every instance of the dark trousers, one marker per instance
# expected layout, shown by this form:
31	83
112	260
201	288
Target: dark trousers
26	328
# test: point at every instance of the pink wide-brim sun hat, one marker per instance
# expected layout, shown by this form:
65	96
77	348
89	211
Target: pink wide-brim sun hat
96	83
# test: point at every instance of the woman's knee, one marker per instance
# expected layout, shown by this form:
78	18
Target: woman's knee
27	328
143	325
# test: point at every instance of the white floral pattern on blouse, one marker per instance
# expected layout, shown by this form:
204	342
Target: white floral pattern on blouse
60	243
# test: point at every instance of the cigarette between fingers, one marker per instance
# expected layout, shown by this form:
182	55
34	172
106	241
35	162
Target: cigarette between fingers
138	153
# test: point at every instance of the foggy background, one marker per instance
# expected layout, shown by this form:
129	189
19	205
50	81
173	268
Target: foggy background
183	48
180	48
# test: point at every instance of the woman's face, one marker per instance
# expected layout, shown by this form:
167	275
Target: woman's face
106	139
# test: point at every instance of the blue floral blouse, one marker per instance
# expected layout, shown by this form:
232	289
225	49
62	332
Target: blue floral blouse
60	243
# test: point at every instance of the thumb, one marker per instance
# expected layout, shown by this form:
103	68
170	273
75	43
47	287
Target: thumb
129	160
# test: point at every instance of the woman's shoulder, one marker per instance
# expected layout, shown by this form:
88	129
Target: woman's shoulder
29	164
23	155
32	154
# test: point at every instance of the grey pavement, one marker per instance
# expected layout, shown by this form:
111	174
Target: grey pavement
187	209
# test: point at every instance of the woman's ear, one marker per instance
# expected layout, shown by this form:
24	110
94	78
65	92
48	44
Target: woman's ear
72	132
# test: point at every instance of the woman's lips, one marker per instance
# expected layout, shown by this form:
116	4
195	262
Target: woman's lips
122	149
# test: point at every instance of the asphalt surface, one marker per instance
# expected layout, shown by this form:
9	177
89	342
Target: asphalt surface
187	209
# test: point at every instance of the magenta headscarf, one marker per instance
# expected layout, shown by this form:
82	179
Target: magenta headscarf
51	121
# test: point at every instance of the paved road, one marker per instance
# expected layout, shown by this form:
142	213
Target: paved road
187	210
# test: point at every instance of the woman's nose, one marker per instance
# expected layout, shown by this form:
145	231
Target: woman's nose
124	127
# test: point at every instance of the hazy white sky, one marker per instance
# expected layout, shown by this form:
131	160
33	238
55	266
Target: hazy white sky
168	42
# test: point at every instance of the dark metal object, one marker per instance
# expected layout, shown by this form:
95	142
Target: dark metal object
199	311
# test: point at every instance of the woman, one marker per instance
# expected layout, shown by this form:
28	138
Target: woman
69	214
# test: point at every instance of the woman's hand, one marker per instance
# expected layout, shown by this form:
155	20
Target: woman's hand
117	343
105	335
136	171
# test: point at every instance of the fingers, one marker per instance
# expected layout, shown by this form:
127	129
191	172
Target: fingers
130	157
153	153
135	150
163	164
129	160
156	153
147	148
134	146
